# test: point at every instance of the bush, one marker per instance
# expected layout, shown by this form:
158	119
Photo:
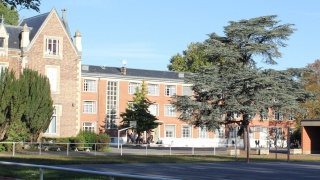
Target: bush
103	138
86	137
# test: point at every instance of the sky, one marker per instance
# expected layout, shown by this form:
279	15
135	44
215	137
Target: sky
148	33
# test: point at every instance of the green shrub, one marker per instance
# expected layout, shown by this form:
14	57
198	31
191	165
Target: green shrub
79	139
103	138
2	148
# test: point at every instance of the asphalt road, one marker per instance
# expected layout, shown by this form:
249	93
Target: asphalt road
219	170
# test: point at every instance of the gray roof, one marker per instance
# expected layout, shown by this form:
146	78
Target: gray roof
14	36
138	73
35	22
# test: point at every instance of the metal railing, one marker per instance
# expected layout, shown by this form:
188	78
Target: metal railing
110	174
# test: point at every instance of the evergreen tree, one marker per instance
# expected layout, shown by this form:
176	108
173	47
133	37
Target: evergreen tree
138	111
38	103
10	16
7	79
22	4
233	84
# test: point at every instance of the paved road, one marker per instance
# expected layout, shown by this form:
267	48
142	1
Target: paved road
220	170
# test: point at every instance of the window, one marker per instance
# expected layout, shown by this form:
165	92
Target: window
1	42
169	131
186	131
112	104
133	86
290	117
89	107
53	76
278	115
89	85
203	132
53	124
221	132
187	91
233	131
52	46
236	115
3	67
170	90
153	109
153	89
88	126
169	110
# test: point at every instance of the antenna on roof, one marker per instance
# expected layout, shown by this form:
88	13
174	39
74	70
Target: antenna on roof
124	63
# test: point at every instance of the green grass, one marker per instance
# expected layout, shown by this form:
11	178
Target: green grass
55	160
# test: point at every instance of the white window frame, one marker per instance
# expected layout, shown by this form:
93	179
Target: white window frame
3	66
170	90
169	110
89	85
154	109
278	115
89	107
89	126
170	131
133	86
53	74
186	131
52	129
153	89
53	46
203	132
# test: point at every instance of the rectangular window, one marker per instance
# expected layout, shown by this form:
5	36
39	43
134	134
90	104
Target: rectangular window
1	42
133	86
153	109
89	107
2	68
169	131
170	90
88	126
203	132
169	110
221	132
278	115
112	105
53	76
52	46
187	91
89	85
153	89
233	132
186	131
53	124
235	115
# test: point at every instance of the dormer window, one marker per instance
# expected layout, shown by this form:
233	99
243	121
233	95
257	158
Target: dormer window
1	42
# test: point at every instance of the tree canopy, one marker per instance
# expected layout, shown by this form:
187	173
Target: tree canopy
138	111
26	105
243	41
234	84
22	4
11	16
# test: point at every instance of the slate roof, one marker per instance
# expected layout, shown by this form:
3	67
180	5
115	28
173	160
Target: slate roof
138	73
14	36
35	22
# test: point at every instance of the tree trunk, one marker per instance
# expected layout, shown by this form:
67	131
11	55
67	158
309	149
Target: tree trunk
245	139
3	130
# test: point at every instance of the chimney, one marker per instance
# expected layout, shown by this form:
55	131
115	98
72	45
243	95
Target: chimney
65	22
124	69
25	36
77	40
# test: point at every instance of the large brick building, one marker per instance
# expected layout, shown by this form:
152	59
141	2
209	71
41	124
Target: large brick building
88	97
44	43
